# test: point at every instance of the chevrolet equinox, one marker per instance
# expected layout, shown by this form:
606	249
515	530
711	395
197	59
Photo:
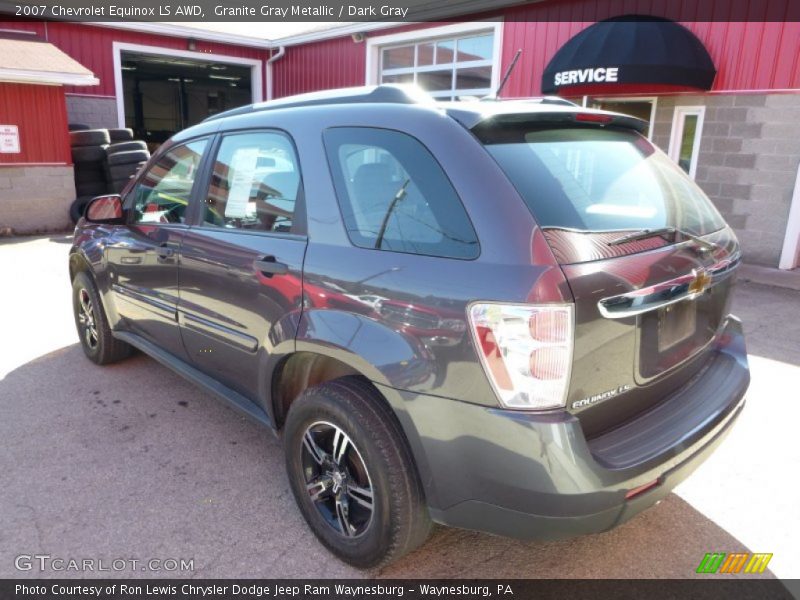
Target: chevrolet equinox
506	316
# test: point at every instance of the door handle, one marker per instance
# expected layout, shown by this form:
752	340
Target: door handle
164	251
269	266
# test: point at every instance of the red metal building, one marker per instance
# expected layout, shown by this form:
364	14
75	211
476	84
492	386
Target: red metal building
738	137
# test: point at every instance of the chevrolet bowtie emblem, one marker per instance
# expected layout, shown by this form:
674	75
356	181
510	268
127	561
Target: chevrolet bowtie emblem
700	283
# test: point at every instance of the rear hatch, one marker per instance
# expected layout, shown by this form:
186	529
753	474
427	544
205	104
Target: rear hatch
647	256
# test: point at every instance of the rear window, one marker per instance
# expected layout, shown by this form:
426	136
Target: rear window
589	179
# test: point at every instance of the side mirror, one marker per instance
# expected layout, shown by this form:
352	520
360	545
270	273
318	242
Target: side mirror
105	209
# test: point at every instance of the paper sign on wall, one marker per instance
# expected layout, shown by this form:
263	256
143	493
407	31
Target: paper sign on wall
243	170
9	139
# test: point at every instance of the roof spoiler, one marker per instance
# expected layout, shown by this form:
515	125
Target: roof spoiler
587	117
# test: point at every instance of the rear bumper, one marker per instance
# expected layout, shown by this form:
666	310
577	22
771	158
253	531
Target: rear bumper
535	476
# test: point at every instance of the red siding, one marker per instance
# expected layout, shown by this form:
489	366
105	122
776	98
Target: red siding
339	62
41	140
748	55
333	63
92	47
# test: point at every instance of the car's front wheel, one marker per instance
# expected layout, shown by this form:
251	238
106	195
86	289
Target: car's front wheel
97	342
352	474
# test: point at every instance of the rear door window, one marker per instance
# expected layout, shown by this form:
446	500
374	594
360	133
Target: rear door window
395	196
598	180
255	183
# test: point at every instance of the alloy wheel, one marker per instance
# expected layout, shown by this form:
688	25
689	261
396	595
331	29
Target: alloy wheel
87	319
337	479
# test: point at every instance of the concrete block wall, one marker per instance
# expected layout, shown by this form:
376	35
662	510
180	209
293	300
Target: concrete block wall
36	199
95	112
749	155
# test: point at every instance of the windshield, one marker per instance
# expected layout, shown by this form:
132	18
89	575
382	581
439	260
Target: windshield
590	179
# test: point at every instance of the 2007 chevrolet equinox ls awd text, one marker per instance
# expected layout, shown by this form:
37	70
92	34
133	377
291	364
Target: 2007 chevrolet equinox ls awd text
510	317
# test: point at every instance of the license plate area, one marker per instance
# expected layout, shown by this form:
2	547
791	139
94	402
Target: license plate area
676	323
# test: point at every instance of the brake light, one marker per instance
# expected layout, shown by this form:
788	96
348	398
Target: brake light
526	351
593	118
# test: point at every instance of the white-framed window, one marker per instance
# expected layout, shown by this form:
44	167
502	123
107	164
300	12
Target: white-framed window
684	143
448	62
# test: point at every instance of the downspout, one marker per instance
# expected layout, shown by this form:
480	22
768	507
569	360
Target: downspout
277	56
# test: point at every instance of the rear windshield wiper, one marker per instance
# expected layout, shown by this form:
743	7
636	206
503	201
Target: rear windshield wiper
662	232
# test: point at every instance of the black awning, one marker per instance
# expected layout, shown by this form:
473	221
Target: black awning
630	51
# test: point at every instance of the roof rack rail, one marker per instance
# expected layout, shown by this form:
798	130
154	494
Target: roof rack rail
375	94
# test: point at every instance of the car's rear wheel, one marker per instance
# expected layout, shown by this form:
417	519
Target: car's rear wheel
352	473
99	345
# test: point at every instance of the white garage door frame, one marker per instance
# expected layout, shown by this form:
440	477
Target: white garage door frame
256	69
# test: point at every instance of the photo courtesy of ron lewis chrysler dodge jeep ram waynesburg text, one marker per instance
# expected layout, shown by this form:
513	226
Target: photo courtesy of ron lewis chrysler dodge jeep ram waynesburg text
529	337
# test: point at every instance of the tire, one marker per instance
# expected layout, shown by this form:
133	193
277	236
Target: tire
376	458
89	137
125	146
87	174
117	185
122	171
77	127
78	207
120	134
95	334
97	188
89	154
128	157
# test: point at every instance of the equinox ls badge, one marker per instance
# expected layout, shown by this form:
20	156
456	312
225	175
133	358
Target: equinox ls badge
602	397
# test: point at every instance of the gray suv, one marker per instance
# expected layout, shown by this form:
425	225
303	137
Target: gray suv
510	317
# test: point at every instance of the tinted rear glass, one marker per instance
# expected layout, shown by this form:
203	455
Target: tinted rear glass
395	196
590	179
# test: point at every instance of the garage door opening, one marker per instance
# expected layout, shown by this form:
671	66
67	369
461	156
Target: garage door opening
163	94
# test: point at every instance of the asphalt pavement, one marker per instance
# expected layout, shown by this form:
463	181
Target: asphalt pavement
131	462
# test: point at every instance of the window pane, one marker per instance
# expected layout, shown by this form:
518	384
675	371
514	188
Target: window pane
254	184
475	48
425	54
401	78
435	81
394	58
163	194
687	142
474	77
445	52
394	195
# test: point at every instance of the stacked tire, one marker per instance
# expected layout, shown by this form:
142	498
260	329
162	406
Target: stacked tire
105	160
89	157
125	156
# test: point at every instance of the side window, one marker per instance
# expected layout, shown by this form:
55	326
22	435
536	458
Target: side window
162	195
395	196
254	184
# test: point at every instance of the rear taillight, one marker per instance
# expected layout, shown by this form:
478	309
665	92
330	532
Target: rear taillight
526	351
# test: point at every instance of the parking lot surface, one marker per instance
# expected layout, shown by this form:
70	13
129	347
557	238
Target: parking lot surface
130	461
